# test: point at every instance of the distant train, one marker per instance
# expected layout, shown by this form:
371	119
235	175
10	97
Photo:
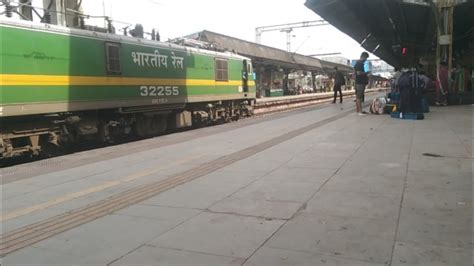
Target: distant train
60	86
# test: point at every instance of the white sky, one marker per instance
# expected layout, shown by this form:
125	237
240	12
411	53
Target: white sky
236	18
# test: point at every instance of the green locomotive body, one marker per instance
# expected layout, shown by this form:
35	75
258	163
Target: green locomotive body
61	85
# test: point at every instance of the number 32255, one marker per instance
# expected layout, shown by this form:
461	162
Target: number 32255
159	91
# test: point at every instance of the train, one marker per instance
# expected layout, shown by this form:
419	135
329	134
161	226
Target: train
61	86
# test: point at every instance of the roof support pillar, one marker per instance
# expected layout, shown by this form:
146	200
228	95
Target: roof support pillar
445	18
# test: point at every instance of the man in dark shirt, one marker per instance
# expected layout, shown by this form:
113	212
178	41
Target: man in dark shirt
338	82
362	79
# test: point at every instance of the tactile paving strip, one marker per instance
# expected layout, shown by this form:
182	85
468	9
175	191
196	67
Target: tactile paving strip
31	234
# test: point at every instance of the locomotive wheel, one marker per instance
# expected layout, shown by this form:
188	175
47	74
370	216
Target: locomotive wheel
147	126
159	124
49	150
140	126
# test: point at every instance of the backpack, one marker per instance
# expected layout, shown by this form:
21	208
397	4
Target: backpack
411	79
410	85
339	79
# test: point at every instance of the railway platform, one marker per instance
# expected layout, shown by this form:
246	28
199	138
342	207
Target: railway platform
283	103
312	186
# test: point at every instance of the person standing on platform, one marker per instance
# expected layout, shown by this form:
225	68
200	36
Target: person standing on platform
396	77
338	82
442	85
362	79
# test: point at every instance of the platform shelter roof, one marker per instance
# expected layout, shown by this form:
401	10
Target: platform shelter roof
385	27
266	55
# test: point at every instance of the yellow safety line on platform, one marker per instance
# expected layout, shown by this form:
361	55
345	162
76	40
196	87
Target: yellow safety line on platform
78	194
52	80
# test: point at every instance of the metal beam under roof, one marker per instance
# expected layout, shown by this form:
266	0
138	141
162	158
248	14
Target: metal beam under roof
383	27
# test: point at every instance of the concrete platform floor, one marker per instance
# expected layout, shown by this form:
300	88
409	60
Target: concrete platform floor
319	186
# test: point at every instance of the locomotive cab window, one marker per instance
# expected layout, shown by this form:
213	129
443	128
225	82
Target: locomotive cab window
222	71
112	51
249	68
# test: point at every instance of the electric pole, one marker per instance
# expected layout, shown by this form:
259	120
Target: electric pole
287	28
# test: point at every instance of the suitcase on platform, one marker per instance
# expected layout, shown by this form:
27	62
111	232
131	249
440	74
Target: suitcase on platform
407	116
425	106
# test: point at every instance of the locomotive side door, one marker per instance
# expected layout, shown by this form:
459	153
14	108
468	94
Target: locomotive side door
246	67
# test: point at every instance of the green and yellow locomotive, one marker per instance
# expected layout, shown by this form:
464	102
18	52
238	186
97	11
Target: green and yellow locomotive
60	86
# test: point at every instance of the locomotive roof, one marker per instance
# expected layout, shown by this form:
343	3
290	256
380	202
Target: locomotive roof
50	28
